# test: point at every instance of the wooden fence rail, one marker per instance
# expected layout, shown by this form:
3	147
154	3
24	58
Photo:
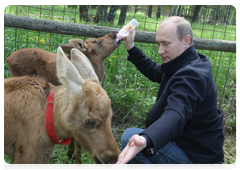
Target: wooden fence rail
99	31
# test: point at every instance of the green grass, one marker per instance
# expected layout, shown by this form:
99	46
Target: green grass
131	93
60	157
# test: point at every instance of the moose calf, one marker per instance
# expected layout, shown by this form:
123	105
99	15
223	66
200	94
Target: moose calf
81	109
35	61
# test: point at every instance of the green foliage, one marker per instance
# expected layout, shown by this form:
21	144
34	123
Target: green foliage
60	156
231	150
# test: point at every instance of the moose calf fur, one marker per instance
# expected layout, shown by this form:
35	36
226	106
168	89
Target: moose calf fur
81	109
35	61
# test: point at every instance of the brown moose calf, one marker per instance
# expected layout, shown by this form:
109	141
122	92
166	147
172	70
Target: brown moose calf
81	109
35	61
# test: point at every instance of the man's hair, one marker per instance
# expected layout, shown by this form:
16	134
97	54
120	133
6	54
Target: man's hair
183	27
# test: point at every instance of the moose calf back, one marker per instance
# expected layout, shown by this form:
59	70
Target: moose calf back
24	115
35	61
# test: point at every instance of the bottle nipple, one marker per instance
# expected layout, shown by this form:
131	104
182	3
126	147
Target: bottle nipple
119	37
116	41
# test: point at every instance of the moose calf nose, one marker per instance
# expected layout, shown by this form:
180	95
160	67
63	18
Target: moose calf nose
114	35
111	159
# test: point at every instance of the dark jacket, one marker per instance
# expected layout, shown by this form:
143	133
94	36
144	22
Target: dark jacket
186	107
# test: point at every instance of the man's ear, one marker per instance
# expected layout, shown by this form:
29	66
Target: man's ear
187	40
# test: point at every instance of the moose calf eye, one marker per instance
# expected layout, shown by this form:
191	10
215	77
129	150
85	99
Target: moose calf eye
100	42
90	123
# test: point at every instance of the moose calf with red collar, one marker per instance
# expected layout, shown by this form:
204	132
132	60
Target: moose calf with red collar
40	63
81	109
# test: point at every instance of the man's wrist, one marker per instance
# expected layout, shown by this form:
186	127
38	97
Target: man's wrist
149	149
149	143
129	47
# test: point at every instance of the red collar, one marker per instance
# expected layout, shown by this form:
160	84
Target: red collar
50	124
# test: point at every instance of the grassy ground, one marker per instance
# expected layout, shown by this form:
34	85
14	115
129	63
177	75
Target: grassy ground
61	160
132	94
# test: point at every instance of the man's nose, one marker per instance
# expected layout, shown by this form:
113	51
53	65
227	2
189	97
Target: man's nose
161	50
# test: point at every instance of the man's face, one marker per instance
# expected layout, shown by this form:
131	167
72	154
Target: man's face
169	46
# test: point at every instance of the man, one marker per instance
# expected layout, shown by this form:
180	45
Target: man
185	125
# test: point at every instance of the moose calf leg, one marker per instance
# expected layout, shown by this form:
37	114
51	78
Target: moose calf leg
78	154
71	149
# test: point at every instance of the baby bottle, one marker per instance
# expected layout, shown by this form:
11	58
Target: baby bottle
125	30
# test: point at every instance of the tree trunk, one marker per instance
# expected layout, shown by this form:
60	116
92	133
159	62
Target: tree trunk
123	14
112	13
135	9
210	15
83	10
99	14
150	11
158	11
105	13
195	17
173	10
180	11
216	15
227	14
233	19
205	14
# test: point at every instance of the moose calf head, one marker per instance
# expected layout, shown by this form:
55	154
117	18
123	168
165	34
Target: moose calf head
88	118
96	50
101	47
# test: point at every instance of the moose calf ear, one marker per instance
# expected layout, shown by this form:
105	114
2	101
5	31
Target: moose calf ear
67	74
79	44
66	47
83	65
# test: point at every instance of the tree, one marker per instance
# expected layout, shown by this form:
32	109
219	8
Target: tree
105	13
83	10
180	9
173	10
227	14
233	18
112	13
195	17
136	9
123	14
99	14
150	11
215	14
159	11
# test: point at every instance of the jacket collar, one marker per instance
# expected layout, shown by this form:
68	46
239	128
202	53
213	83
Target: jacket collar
183	59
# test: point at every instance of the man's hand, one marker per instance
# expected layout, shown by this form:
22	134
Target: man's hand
136	144
129	40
